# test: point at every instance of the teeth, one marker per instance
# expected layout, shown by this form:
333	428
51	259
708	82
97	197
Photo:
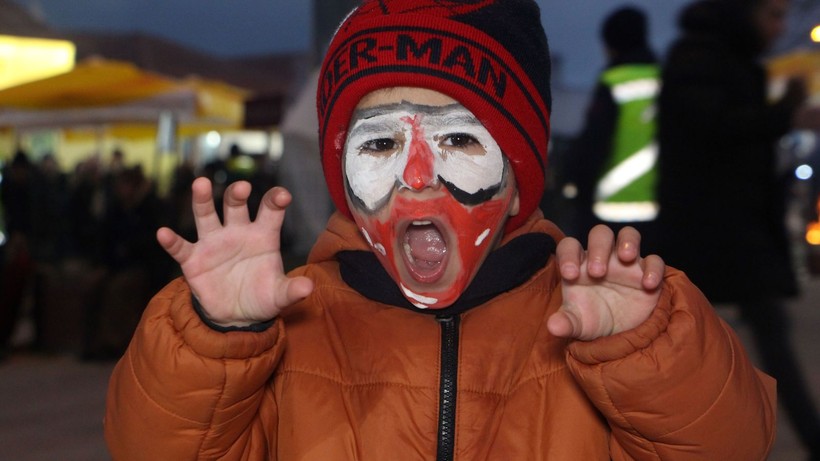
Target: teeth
422	223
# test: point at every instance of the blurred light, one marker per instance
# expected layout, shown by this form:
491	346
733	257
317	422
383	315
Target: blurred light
804	172
802	143
570	191
24	59
815	34
2	238
276	145
253	142
243	164
813	233
212	139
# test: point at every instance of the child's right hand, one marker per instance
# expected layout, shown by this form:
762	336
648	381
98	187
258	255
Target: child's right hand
235	269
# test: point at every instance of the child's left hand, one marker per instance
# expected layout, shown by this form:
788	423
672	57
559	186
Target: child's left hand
607	289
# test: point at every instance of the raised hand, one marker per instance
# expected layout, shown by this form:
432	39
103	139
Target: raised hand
607	289
235	269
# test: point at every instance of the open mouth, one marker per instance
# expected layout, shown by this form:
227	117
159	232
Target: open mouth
425	251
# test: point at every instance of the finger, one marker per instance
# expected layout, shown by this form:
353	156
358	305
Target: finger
294	290
569	255
653	270
629	244
176	246
273	203
599	250
202	203
235	203
563	324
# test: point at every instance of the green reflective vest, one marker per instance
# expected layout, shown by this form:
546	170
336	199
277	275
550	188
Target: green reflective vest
625	191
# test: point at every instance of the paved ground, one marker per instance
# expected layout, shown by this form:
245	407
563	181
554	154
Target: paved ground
51	406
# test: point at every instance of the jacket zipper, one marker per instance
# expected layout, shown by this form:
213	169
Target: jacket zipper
447	388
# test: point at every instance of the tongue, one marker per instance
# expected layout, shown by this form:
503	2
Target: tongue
426	243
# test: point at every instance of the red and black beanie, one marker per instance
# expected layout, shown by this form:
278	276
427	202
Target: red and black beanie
490	55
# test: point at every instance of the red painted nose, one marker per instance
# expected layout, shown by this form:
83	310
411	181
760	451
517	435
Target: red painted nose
418	173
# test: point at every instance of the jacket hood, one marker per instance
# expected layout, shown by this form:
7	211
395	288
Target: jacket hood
730	21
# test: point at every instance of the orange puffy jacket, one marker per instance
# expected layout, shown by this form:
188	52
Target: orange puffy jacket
341	377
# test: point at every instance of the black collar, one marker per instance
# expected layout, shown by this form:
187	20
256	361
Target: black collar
504	269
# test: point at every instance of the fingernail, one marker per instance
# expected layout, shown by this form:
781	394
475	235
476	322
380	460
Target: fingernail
569	270
596	267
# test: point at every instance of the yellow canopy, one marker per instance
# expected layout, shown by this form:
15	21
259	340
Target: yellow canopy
102	92
802	63
91	83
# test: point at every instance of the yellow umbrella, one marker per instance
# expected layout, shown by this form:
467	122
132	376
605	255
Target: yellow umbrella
91	83
100	92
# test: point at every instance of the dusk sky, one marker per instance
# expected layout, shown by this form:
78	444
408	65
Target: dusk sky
244	27
247	27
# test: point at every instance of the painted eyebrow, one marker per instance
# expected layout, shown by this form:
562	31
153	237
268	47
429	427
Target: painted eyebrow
370	112
368	128
445	116
459	119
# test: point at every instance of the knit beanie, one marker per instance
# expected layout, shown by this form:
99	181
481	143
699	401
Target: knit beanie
489	55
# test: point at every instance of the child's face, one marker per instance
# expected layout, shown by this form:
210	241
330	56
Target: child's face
429	188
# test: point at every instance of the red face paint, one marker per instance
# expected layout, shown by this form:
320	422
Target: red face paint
467	234
419	170
403	163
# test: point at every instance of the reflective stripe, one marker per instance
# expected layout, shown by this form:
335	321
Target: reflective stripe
646	88
632	168
626	212
625	191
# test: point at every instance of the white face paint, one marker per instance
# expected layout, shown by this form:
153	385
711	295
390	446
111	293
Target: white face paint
383	140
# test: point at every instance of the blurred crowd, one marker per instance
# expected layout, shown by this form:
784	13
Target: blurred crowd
79	255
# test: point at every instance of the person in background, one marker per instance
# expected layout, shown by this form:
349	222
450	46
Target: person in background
439	316
17	267
49	240
722	204
89	191
135	266
613	161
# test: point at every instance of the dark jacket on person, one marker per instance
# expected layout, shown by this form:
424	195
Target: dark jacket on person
722	204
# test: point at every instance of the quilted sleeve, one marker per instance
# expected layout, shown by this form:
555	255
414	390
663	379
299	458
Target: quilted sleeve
680	386
184	391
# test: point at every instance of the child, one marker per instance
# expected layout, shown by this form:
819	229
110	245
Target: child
436	317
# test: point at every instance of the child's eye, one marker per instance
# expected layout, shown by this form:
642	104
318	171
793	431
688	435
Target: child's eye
462	142
459	140
379	146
